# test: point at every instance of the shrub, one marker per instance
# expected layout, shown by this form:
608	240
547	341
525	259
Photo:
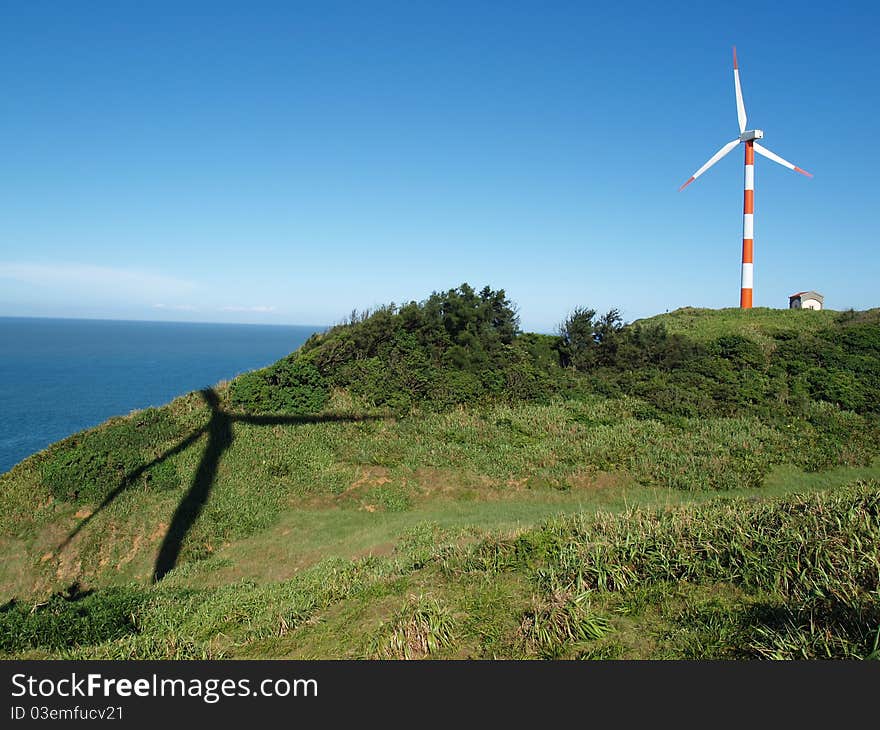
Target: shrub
70	619
458	346
289	386
739	350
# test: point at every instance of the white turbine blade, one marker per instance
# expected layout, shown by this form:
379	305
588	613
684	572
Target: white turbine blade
740	106
712	160
776	158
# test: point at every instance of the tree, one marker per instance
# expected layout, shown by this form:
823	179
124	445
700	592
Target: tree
576	341
586	342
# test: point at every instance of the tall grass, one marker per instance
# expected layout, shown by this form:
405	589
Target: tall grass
558	620
423	626
792	577
820	545
812	562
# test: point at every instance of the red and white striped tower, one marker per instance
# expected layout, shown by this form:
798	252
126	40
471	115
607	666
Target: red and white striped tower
747	137
748	262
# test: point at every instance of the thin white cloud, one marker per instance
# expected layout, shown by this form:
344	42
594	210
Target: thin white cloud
176	307
97	281
258	309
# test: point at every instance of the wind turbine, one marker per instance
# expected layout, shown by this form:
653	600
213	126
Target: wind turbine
747	137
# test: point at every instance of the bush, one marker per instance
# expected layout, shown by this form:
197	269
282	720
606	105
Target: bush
739	350
70	619
289	386
458	346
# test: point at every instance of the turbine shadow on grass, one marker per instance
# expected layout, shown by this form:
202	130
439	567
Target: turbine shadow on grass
220	437
219	430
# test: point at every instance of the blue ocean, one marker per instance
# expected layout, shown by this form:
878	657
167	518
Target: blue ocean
59	376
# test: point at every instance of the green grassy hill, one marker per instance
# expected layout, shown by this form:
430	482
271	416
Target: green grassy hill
760	323
426	480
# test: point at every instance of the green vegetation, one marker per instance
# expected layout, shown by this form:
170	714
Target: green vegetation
69	619
87	466
288	386
428	481
784	578
456	347
422	627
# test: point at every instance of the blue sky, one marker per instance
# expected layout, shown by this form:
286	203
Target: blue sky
287	162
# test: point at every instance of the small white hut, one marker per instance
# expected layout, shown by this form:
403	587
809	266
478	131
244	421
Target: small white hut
806	300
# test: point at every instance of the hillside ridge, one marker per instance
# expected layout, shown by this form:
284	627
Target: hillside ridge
437	423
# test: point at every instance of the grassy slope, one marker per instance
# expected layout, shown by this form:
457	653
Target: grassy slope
288	497
759	323
706	324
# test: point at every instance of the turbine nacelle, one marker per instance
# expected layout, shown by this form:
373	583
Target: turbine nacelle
745	135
